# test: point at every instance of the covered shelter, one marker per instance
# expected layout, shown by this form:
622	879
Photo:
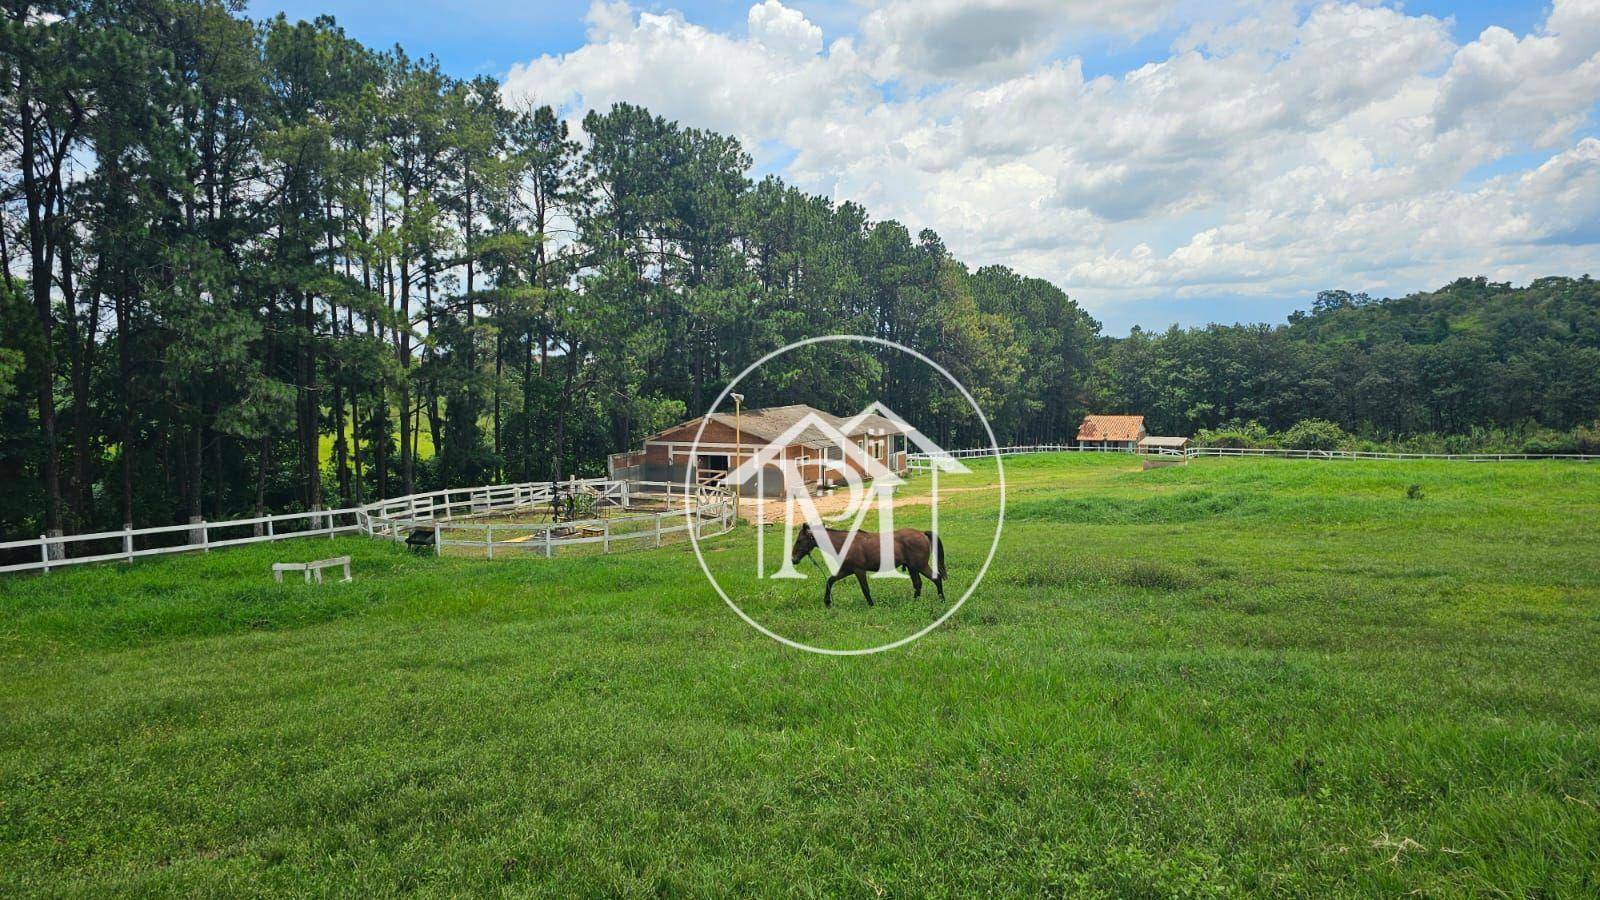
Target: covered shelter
808	435
1111	432
1159	452
1155	444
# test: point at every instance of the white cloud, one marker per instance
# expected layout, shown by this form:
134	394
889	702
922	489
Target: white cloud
1537	89
1270	152
943	39
783	31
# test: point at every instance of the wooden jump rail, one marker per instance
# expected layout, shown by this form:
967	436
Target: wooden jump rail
312	569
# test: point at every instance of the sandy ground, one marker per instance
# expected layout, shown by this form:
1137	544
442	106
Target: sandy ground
771	511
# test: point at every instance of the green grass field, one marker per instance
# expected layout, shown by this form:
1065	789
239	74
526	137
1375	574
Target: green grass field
1259	677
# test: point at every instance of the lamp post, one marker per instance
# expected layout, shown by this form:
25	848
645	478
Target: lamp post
738	448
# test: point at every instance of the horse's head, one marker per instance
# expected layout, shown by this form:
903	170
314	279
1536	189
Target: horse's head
804	543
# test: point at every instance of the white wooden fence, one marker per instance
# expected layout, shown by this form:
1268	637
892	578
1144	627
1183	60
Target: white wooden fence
1366	454
919	462
708	509
922	462
54	552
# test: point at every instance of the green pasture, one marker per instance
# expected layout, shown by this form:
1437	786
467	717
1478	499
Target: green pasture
1237	677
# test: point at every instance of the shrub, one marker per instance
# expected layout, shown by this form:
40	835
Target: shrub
1413	492
1550	442
1587	440
1234	434
1314	434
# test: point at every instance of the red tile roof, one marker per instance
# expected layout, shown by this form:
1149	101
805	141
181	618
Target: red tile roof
1111	428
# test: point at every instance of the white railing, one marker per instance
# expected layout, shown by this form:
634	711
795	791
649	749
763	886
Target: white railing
921	462
1372	454
918	462
203	536
707	510
711	507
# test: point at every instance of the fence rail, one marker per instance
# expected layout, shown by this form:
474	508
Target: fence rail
1377	454
54	550
922	461
706	510
711	508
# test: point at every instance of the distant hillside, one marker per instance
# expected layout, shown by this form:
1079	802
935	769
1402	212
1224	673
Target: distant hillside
1474	354
1566	310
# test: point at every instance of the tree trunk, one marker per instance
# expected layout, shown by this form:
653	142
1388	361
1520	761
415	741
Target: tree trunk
196	479
527	409
263	464
42	262
125	370
557	458
219	509
313	411
380	418
407	442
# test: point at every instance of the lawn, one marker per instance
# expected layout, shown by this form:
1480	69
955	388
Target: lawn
1240	676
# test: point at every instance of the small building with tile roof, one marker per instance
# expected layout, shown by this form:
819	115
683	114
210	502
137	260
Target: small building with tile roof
730	440
1111	432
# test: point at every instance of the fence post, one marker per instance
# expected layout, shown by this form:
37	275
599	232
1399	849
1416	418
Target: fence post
658	529
272	533
605	541
127	540
44	552
488	542
205	537
438	543
549	548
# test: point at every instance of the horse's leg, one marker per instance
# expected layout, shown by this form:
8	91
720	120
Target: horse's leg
827	592
916	583
861	578
938	580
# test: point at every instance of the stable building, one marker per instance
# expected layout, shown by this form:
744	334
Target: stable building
1160	452
1111	432
808	436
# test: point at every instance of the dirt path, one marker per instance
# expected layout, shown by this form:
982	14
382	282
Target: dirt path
769	512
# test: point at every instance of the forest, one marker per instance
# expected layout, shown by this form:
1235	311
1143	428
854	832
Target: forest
257	266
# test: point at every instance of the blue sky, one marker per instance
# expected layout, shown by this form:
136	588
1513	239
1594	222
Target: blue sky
477	37
1162	160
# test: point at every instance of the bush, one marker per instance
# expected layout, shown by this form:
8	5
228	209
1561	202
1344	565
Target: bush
1234	434
1314	434
1587	440
1550	442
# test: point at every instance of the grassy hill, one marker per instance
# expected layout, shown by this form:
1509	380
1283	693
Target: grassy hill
1262	676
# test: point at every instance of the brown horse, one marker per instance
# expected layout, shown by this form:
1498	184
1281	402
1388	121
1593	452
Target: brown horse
912	550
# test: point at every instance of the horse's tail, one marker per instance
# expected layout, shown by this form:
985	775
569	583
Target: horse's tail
938	550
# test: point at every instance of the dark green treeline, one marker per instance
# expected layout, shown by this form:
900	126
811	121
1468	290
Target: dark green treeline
254	266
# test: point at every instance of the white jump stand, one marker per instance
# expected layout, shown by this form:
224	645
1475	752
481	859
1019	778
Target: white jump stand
312	569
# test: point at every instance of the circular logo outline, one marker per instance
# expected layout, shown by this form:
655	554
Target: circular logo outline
1000	468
